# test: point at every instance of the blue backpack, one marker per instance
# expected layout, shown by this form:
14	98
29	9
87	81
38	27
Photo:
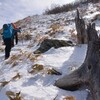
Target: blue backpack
7	31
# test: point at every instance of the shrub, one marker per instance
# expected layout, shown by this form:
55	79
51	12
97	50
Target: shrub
25	36
60	9
68	7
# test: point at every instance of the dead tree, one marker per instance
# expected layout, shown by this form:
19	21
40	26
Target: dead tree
88	73
80	28
91	34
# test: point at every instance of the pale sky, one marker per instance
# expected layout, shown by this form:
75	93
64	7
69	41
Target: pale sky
13	10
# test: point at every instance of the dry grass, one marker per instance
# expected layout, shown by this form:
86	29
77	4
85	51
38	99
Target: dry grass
36	68
55	27
42	38
29	55
14	96
52	71
25	36
69	98
4	83
16	77
13	60
14	57
38	39
22	56
41	68
35	40
73	35
15	63
35	57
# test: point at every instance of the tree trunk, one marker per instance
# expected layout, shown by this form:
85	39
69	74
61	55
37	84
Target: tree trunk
80	28
89	72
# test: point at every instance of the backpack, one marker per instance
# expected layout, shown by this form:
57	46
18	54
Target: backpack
7	31
14	26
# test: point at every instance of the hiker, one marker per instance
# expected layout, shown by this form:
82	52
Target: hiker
8	37
15	33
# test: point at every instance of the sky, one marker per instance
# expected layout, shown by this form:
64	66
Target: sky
13	10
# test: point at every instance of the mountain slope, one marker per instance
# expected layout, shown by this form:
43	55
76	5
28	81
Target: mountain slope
31	75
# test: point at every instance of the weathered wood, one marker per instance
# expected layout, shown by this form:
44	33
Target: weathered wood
81	30
89	72
91	33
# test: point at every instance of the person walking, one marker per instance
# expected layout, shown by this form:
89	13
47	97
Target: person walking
8	37
15	33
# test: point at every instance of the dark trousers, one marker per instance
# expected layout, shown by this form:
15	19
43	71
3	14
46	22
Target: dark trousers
7	42
15	37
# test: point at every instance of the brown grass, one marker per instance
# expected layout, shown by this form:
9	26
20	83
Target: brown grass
36	68
55	27
69	98
52	71
15	63
25	36
42	38
4	83
14	96
16	77
23	55
12	60
29	55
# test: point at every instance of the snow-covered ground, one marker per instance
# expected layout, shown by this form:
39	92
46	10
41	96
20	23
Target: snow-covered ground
16	73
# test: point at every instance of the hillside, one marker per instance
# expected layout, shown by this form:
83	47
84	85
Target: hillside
30	76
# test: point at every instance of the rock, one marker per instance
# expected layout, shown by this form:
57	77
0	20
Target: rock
49	43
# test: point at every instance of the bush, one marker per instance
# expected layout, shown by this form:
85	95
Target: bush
64	8
68	7
25	36
59	9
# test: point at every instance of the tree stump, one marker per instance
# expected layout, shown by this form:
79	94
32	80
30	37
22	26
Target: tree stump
91	33
80	28
88	73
